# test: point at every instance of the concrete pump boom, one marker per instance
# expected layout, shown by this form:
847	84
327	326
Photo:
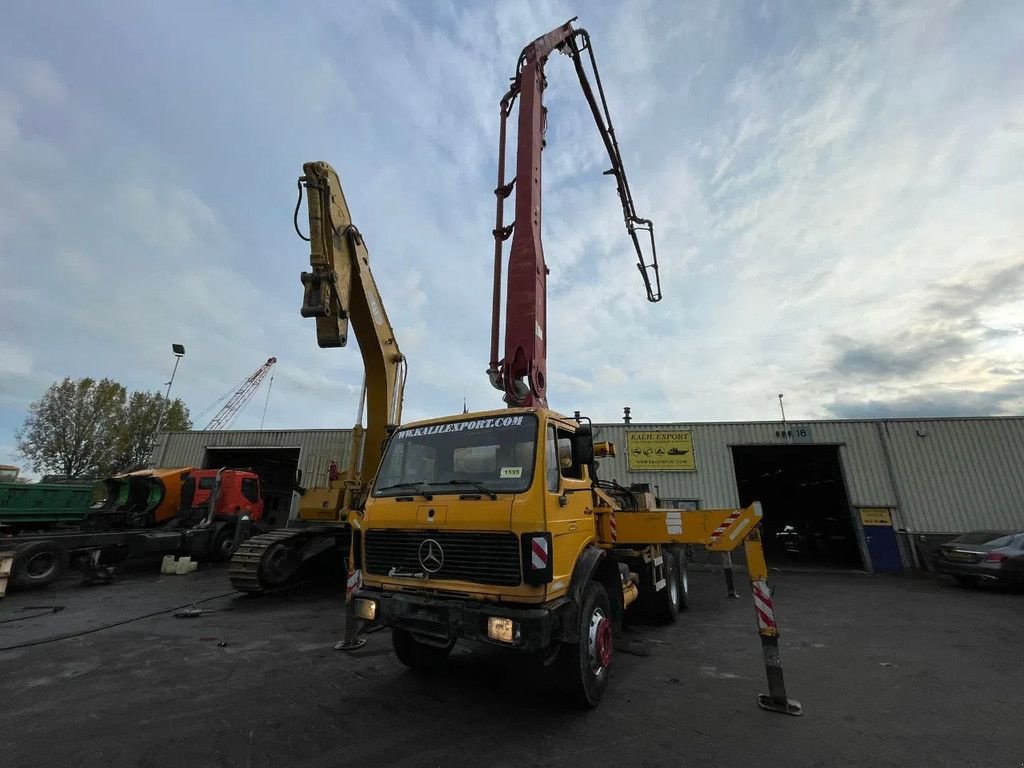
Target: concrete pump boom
522	372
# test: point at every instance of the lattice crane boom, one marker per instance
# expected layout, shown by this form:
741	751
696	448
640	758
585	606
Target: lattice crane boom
242	395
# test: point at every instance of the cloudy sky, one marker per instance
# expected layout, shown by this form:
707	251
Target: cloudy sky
838	191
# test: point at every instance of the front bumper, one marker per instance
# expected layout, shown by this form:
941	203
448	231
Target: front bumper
441	620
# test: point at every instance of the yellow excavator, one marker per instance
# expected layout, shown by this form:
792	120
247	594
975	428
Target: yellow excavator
339	291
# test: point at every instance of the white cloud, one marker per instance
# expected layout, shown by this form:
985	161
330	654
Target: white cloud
812	180
14	360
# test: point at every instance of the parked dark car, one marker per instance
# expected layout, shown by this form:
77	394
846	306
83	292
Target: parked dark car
983	556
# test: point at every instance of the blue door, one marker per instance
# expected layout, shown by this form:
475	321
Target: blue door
881	539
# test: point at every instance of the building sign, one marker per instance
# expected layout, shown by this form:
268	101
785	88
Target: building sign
660	451
875	516
795	434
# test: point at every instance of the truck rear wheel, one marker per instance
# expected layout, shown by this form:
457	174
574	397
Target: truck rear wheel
39	564
668	600
584	666
683	578
418	656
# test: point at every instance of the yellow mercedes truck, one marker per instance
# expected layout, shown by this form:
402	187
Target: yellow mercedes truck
495	527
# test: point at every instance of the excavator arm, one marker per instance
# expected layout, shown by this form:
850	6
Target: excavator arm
339	292
522	373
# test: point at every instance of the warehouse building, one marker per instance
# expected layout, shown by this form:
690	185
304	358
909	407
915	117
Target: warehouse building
275	455
867	495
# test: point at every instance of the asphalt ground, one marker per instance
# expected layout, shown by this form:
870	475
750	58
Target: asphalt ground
890	671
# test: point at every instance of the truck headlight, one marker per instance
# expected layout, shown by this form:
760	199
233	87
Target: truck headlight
502	630
366	609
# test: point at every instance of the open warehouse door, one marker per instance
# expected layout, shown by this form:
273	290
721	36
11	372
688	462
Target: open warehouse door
276	468
807	514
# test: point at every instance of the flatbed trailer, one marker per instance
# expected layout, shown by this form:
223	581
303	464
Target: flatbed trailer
42	557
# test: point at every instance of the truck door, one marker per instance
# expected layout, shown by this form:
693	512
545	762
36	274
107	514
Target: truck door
567	504
253	504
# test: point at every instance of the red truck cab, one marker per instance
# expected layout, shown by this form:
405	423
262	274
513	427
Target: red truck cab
240	493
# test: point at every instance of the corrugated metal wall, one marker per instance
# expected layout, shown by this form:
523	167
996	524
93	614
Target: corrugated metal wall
317	447
954	474
951	474
714	481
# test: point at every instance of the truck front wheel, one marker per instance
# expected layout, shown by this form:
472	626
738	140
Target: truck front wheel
223	546
416	655
584	666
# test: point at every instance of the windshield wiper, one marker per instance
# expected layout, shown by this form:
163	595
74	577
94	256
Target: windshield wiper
473	484
418	487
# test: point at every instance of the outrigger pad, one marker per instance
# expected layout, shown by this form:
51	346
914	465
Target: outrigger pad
787	707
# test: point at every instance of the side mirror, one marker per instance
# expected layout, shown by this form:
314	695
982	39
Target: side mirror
583	445
298	477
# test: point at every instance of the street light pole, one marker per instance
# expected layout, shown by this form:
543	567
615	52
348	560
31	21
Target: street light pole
179	352
785	426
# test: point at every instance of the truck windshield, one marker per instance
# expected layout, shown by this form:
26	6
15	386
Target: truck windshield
472	455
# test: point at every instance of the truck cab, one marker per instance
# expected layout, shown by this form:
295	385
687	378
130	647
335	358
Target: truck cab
496	505
483	527
240	493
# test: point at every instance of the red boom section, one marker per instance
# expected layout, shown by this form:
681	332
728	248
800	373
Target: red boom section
522	372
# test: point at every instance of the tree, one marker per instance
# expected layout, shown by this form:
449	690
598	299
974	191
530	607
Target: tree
134	436
89	428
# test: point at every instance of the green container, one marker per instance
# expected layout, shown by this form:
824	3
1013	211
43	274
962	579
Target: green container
41	504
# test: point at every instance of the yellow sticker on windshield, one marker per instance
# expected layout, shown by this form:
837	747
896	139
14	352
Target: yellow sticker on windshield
511	472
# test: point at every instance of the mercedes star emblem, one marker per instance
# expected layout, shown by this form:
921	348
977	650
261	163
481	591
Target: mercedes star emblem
431	556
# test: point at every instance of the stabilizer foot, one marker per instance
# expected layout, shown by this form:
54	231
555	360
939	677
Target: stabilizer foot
349	645
782	706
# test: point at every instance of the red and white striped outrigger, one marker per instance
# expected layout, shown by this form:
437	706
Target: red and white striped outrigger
719	530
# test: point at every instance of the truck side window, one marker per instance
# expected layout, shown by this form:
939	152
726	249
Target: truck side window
250	489
551	461
567	463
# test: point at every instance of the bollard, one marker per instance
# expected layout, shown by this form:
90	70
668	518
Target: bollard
730	584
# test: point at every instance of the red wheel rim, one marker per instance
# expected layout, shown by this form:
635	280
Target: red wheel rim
603	642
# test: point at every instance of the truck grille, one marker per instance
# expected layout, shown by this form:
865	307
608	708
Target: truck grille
481	558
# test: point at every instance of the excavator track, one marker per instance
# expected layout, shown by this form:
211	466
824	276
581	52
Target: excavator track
271	560
244	571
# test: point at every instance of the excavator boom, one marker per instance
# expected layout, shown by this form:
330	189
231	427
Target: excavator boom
339	292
